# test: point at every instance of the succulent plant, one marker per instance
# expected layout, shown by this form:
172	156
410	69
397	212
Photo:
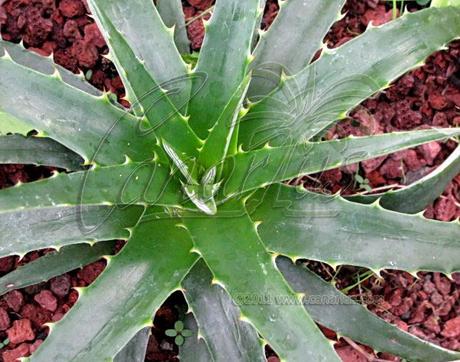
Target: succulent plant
192	177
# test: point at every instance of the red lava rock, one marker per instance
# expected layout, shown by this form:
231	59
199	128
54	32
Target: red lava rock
452	328
196	33
440	119
331	176
86	53
401	325
395	298
392	168
438	101
349	354
201	4
6	264
430	151
4	319
73	297
13	355
71	30
14	299
36	314
442	284
445	209
21	331
373	164
47	300
71	8
436	298
454	97
60	285
57	316
93	35
378	16
34	346
90	272
419	315
432	324
404	307
456	121
65	58
375	179
273	359
38	28
271	10
329	333
445	308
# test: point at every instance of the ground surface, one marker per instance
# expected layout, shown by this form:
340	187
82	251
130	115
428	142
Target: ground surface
428	307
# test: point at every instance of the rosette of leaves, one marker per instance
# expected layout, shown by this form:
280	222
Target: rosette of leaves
191	176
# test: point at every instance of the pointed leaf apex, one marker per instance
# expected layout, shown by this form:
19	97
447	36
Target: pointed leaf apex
6	55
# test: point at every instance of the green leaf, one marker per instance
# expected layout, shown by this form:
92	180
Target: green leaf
10	124
340	313
22	230
179	340
417	196
86	124
171	332
230	246
220	137
105	318
173	16
156	60
148	92
291	41
47	66
325	91
194	349
301	224
179	326
250	170
219	319
54	264
443	3
131	183
136	349
187	333
232	23
37	151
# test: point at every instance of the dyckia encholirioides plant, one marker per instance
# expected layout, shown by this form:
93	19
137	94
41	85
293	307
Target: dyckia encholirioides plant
191	176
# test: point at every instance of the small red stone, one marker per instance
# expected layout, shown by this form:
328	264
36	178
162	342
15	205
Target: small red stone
72	8
86	53
15	300
92	34
71	30
430	151
60	285
90	272
34	346
442	284
451	328
21	331
36	314
4	319
349	354
47	300
201	4
445	209
6	264
13	355
438	101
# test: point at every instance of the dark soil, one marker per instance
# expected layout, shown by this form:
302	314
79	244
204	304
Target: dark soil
428	307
